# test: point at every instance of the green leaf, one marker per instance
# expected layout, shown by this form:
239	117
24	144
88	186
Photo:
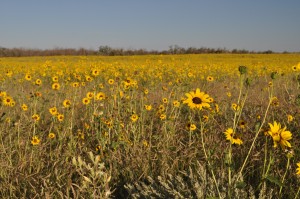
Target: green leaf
274	180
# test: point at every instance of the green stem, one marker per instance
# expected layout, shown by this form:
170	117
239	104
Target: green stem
206	157
255	138
283	178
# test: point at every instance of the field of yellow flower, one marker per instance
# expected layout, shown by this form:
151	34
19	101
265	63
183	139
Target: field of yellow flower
171	126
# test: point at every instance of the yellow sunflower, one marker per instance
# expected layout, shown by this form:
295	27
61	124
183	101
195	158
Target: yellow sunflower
67	103
35	140
231	136
298	169
197	99
280	135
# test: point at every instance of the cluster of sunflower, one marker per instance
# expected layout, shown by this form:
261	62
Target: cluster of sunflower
6	99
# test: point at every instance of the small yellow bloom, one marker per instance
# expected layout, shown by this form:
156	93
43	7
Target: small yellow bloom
134	117
60	117
86	101
148	107
298	169
55	86
232	137
51	135
35	140
66	103
290	118
35	117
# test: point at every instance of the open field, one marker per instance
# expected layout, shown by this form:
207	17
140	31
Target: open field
172	126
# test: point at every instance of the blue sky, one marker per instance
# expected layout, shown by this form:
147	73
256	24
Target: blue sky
253	25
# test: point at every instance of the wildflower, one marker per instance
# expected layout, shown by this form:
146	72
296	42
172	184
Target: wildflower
60	117
101	85
35	117
75	84
242	124
100	96
51	135
210	78
165	100
298	169
90	95
8	101
162	116
232	137
98	148
191	127
228	94
53	110
275	101
280	135
148	107
24	107
205	118
86	101
146	91
290	118
134	117
270	84
111	81
176	103
35	140
294	68
28	77
55	86
88	78
66	103
145	143
95	72
38	82
55	79
235	107
197	99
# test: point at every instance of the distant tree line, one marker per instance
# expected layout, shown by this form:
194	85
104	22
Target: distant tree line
109	51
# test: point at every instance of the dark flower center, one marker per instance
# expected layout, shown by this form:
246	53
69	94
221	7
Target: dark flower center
197	100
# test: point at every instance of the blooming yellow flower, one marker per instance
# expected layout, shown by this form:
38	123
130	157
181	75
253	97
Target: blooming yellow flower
176	103
191	127
60	117
134	117
28	77
100	96
86	101
51	135
148	107
163	116
231	136
66	103
280	135
165	100
35	117
197	100
35	140
290	118
53	110
90	95
235	107
24	107
298	169
210	78
55	86
111	81
38	82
